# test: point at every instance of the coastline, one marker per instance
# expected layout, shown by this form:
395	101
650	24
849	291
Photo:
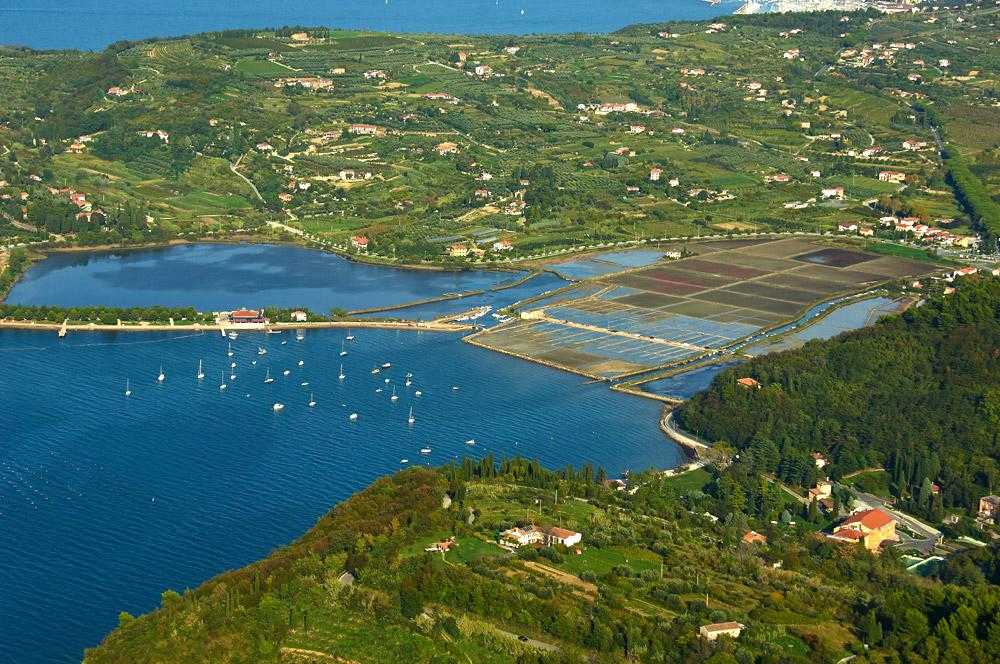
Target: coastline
62	328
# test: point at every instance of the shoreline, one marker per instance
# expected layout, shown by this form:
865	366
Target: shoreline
418	326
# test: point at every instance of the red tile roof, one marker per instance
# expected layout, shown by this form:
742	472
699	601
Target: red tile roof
871	519
561	533
244	313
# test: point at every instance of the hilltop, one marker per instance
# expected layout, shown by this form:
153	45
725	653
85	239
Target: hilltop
511	147
369	583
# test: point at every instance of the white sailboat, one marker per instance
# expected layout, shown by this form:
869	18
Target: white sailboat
261	350
387	365
128	388
417	393
341	376
229	351
349	337
162	377
267	378
353	417
408	382
232	376
394	397
342	351
470	442
375	370
299	335
233	335
301	362
312	402
411	419
223	385
201	373
286	372
278	407
425	450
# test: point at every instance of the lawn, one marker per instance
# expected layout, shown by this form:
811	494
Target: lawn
874	482
601	561
696	480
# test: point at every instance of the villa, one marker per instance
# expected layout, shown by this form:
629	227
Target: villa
869	527
535	536
359	242
989	507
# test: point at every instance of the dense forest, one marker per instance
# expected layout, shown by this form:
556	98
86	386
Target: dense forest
917	394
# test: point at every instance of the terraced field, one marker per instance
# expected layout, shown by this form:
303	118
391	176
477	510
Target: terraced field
632	318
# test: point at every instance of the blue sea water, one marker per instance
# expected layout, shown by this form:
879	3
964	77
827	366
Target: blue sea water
105	501
213	277
93	24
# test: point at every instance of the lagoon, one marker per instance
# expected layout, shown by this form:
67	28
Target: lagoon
93	24
115	499
214	277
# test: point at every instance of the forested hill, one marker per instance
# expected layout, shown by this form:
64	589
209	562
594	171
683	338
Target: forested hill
918	394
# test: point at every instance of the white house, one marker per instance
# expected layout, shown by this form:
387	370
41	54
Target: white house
715	630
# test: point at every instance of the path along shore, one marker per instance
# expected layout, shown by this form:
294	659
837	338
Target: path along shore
62	328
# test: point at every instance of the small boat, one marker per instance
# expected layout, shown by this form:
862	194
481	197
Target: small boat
378	390
201	374
299	335
404	461
261	350
301	362
409	375
312	402
232	365
394	397
286	372
304	383
417	393
233	335
375	371
386	381
387	365
267	378
162	376
411	419
223	385
349	337
229	351
454	388
353	417
425	450
342	351
274	331
232	376
283	343
278	407
408	382
471	441
253	362
341	375
128	388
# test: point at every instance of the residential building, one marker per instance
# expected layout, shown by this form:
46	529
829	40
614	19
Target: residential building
458	250
446	148
989	507
503	245
749	383
832	192
299	316
359	242
714	630
365	129
654	174
869	527
562	536
753	537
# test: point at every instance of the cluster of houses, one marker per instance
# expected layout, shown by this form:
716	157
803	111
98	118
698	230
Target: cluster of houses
865	56
989	510
535	536
913	226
